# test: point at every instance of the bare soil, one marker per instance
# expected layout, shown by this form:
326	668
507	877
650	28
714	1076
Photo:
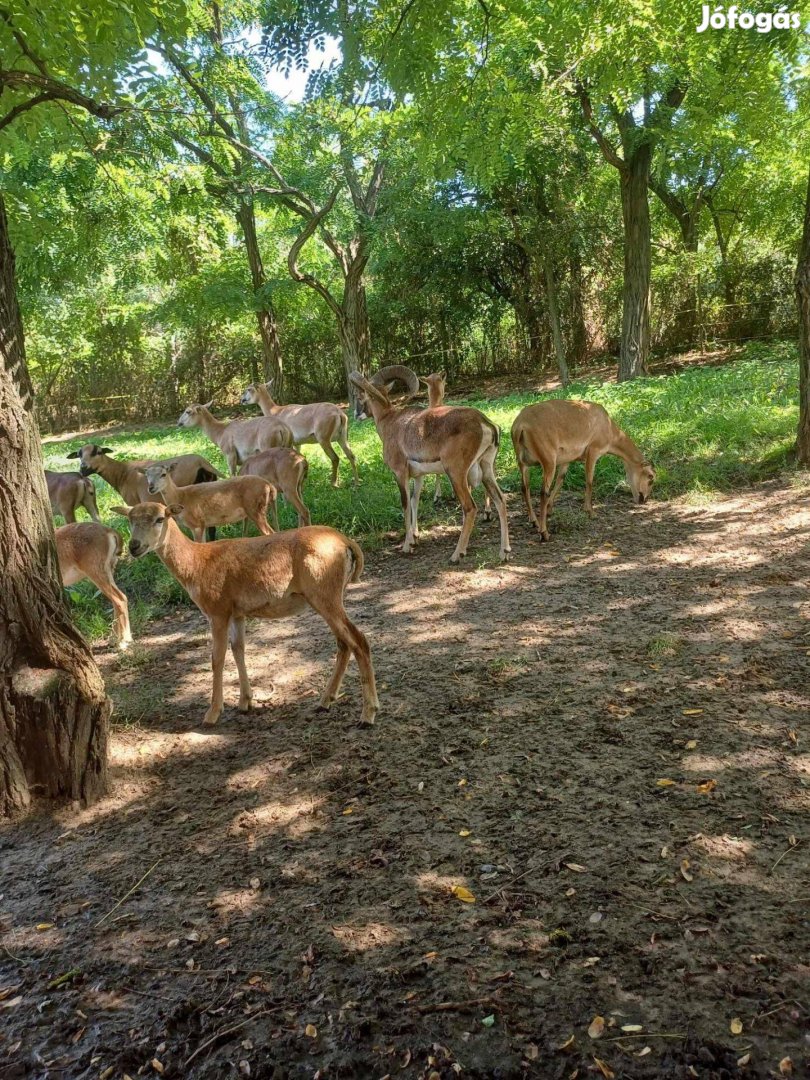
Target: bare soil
604	742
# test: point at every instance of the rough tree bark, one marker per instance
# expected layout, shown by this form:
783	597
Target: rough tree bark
53	708
554	319
638	140
354	328
803	303
265	315
635	346
578	345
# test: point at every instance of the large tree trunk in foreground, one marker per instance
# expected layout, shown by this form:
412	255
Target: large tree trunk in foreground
53	708
803	303
635	346
268	328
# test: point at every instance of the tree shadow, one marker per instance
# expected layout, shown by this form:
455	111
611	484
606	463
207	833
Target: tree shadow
601	741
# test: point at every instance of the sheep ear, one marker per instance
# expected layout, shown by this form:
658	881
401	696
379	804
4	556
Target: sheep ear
75	454
174	509
122	510
105	450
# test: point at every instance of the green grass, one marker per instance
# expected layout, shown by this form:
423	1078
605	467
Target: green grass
706	430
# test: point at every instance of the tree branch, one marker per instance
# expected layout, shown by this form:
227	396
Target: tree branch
374	187
671	101
202	155
604	145
302	276
38	63
190	79
304	206
31	80
24	106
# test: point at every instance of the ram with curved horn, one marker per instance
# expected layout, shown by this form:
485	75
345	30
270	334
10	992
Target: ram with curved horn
458	441
388	377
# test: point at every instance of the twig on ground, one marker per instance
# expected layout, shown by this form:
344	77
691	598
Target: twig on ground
534	866
651	911
457	1006
648	1035
17	959
784	853
128	894
771	1012
230	1031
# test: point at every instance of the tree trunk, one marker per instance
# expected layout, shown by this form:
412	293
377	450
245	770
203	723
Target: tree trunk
268	328
578	347
355	333
53	708
635	345
686	320
554	319
803	303
727	272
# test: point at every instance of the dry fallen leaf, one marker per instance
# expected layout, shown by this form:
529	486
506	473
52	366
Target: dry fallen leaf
463	894
531	1052
685	874
597	1028
311	1031
665	783
348	810
706	787
157	1066
464	832
632	1027
691	744
45	925
568	1046
604	1069
644	1051
786	1067
462	782
12	1003
743	1061
692	712
794	737
736	1026
576	867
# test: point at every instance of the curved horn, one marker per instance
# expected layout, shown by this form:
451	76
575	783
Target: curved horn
397	373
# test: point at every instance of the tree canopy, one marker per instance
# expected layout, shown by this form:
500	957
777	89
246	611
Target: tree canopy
481	187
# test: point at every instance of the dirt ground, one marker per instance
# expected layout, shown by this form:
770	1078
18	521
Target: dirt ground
605	742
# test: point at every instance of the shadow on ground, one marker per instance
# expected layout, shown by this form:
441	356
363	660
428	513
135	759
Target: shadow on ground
604	742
